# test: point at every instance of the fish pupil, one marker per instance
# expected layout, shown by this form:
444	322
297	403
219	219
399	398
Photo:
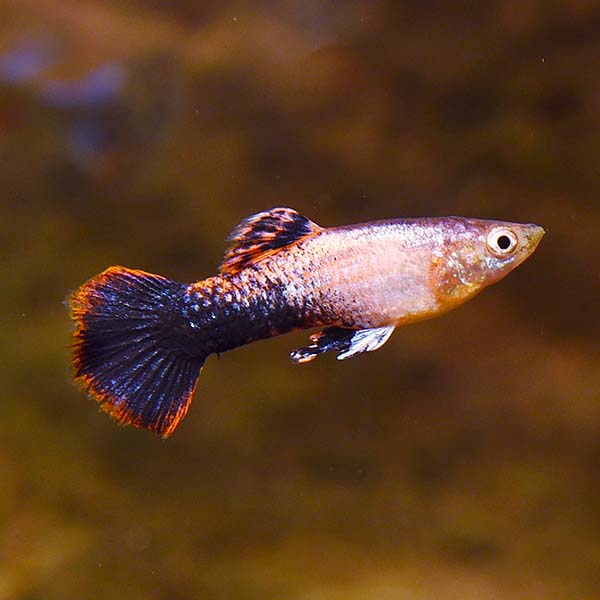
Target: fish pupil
503	242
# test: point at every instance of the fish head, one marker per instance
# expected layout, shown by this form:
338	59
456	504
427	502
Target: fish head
476	253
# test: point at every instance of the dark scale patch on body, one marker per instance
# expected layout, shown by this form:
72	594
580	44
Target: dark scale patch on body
261	301
236	311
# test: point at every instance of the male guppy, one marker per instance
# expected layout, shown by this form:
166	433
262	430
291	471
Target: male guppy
141	339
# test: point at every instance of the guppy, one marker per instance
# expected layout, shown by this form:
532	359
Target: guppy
141	339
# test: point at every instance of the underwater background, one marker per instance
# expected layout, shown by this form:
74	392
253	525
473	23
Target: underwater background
459	461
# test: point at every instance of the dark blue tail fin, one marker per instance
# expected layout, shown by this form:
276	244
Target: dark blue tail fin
129	353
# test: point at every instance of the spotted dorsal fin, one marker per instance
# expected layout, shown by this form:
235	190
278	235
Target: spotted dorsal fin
264	233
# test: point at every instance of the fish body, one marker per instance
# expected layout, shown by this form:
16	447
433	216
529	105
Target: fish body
141	339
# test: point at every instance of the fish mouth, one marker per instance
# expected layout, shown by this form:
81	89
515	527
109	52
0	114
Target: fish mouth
530	236
533	235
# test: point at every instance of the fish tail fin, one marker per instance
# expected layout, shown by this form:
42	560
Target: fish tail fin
131	352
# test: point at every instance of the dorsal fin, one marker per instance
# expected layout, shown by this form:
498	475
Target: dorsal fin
260	235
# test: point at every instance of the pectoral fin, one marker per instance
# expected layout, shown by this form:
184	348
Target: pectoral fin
348	342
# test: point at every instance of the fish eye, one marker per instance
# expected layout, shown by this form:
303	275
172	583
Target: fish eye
501	241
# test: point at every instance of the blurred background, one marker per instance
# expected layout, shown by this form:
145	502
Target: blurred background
460	460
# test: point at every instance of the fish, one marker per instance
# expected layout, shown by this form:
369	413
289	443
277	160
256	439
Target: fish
141	340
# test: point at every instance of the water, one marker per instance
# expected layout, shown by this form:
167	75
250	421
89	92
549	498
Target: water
459	460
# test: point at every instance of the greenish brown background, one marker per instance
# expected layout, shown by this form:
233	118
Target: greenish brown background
460	461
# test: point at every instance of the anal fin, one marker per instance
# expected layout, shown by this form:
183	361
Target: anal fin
349	342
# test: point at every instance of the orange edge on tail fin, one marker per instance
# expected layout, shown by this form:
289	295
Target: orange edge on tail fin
124	416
